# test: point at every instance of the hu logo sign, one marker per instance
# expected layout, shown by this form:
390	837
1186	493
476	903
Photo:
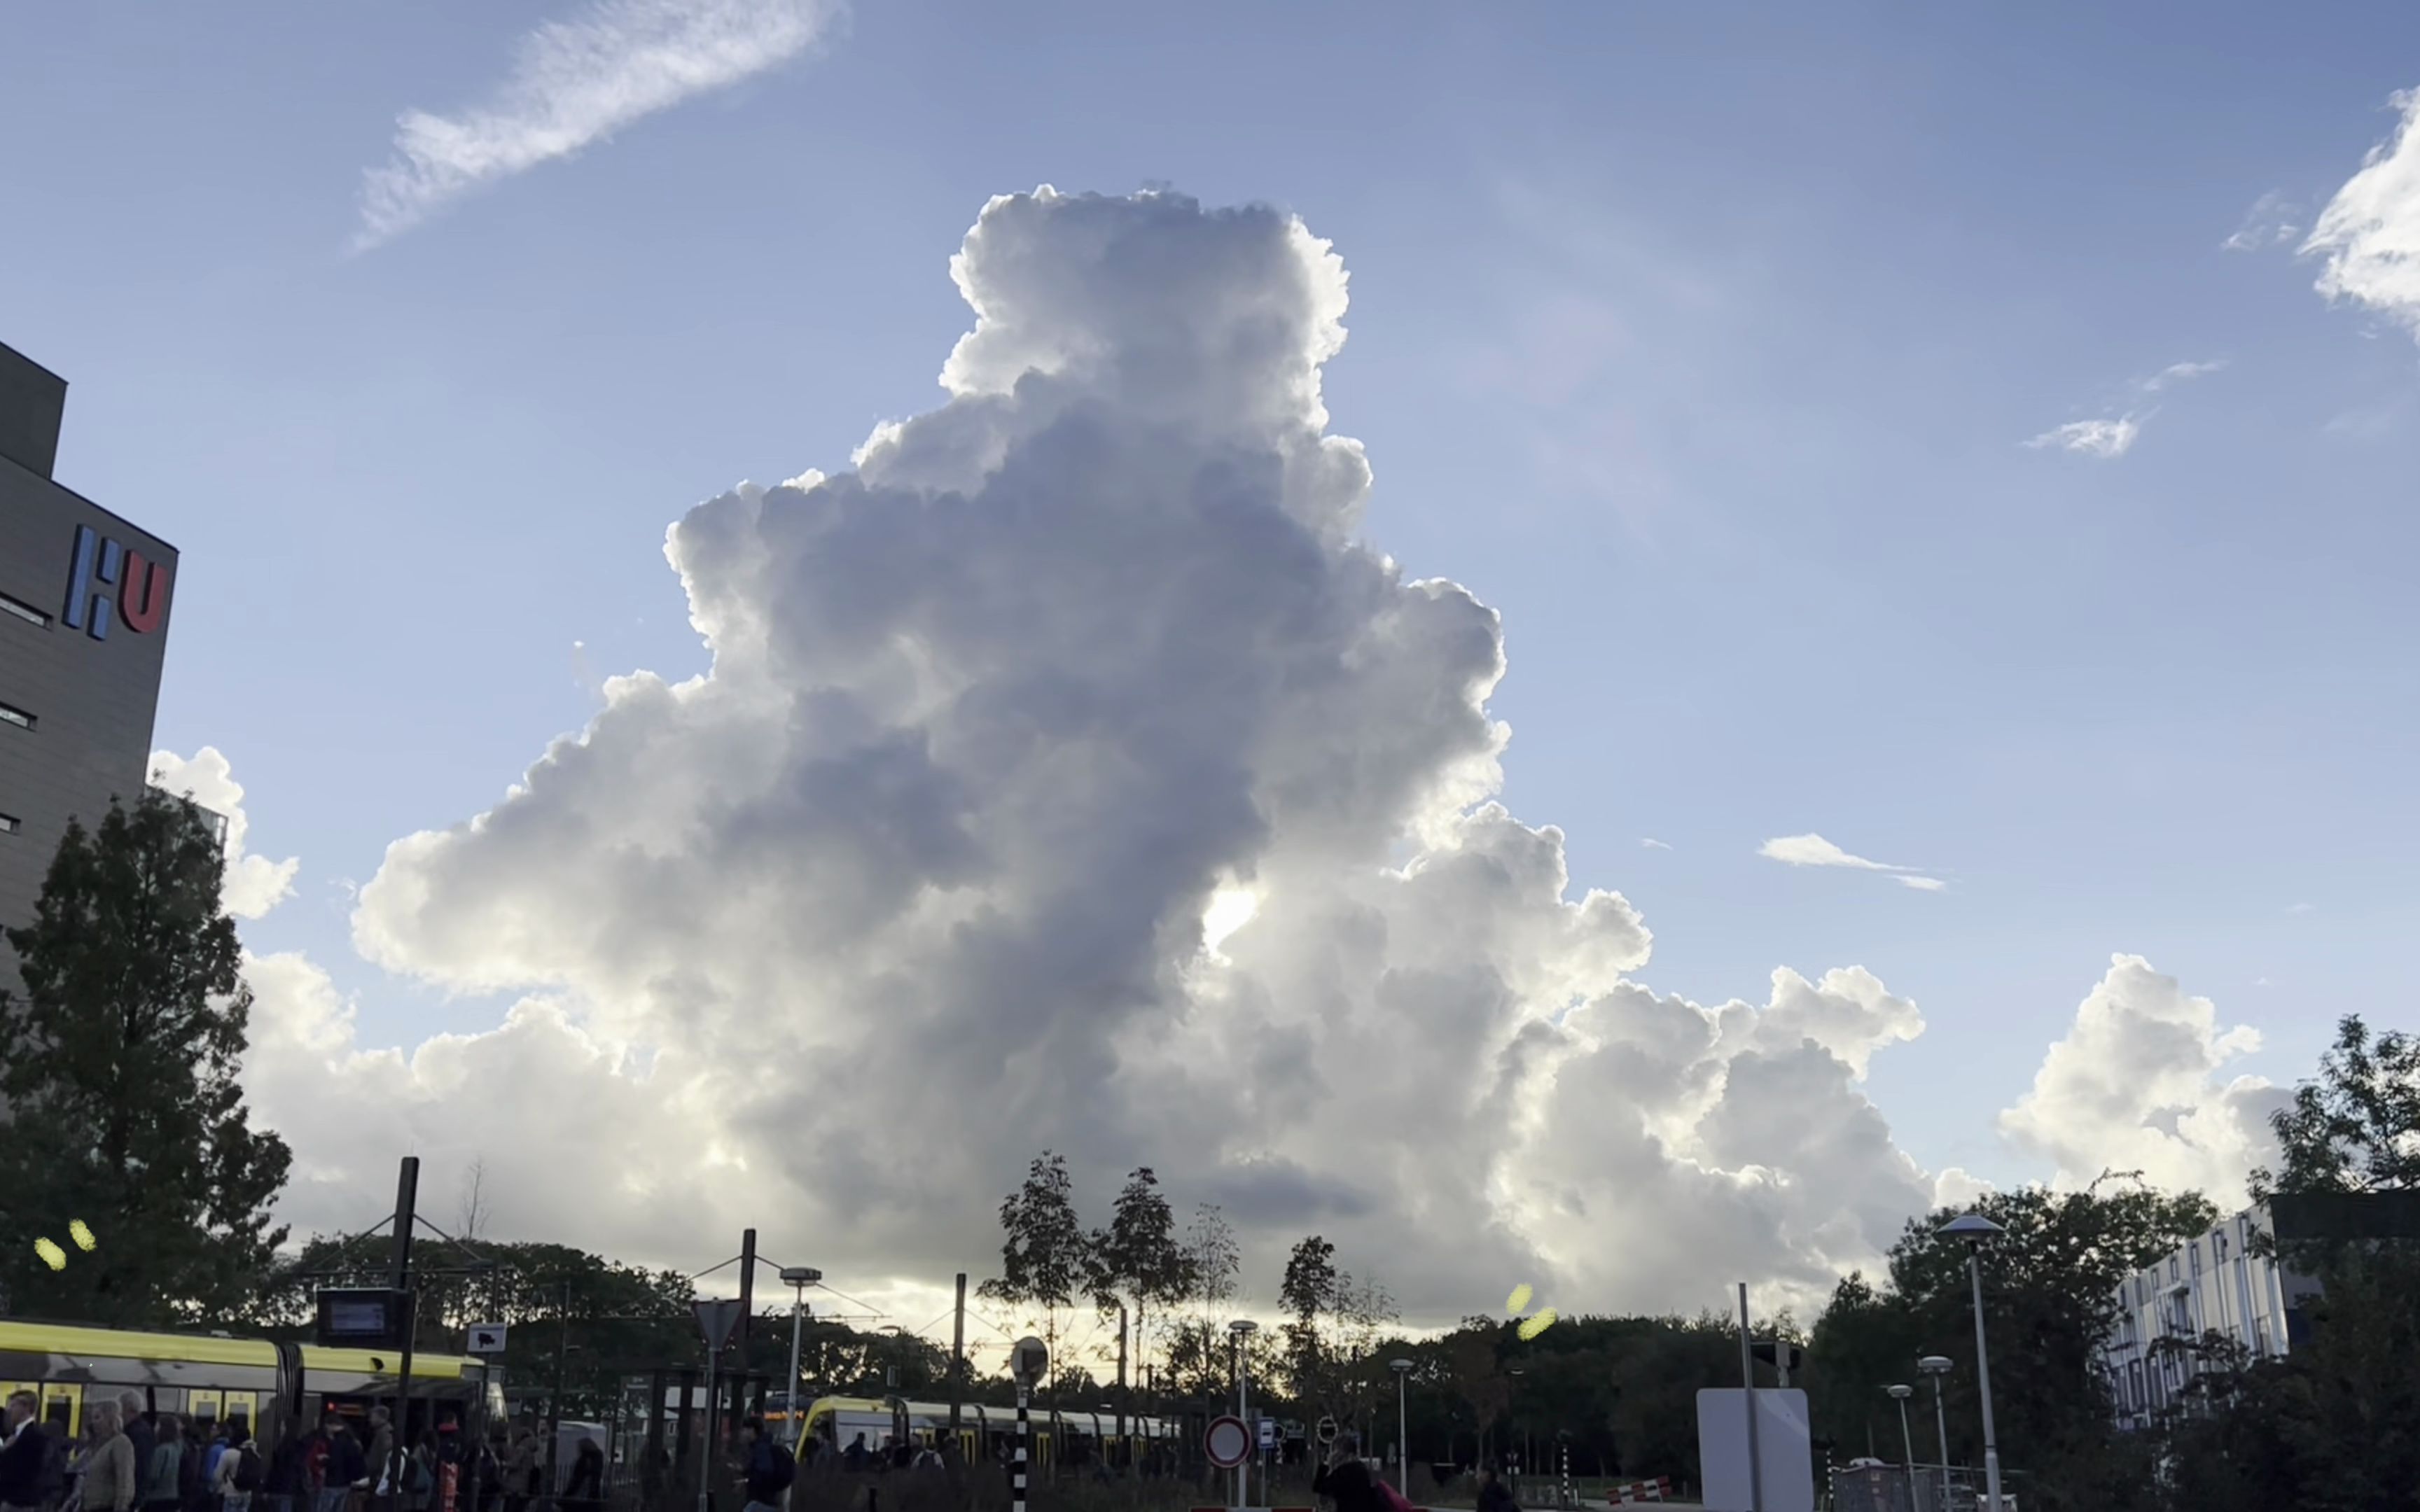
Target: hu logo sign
104	574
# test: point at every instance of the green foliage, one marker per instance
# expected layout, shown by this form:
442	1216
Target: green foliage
2050	1285
1045	1256
122	1103
2357	1127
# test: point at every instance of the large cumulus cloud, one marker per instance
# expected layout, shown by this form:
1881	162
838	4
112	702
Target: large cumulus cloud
913	882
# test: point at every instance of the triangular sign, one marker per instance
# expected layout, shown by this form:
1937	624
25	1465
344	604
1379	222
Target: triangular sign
716	1319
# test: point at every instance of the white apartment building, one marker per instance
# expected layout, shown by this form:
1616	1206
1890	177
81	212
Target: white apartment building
2215	1285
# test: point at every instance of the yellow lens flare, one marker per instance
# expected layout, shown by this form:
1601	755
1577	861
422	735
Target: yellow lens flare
54	1257
82	1237
1531	1328
1518	1302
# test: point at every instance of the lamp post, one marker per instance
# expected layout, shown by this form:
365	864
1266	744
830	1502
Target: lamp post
1938	1366
1403	1370
1241	1331
1975	1229
1512	1402
798	1278
1906	1440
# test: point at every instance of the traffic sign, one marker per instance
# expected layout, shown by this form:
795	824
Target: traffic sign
487	1338
1029	1362
1229	1443
1328	1430
1268	1433
716	1319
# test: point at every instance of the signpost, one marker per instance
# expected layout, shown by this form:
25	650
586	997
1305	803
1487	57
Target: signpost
487	1338
1326	1431
715	1319
1028	1363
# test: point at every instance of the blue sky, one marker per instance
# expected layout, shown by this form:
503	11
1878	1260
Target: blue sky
1704	347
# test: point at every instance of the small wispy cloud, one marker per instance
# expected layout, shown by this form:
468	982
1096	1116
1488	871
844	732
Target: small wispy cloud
575	83
2304	908
2271	222
1654	844
2113	436
1814	850
2092	438
2180	372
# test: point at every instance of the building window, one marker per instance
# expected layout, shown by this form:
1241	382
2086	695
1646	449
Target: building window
26	612
7	823
2176	1268
16	717
2196	1261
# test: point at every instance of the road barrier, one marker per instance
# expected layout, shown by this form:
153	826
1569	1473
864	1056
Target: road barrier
1658	1490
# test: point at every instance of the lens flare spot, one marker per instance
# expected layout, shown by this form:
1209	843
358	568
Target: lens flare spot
82	1237
1518	1302
1532	1327
54	1257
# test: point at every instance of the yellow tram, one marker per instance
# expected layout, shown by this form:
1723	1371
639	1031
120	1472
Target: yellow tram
270	1387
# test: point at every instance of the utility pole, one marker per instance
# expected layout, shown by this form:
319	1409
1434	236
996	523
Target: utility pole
1748	1380
407	1199
561	1363
747	1307
1123	1447
958	1358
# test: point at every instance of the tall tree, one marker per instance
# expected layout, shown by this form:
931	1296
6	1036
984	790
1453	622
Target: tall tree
1138	1257
1045	1256
1307	1292
122	1108
2356	1128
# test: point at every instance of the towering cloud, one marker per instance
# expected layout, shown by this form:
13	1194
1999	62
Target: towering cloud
1070	774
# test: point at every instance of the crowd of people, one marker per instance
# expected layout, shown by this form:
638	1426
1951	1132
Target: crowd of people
130	1460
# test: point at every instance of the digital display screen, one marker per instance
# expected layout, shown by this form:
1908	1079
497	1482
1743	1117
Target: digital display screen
363	1317
356	1317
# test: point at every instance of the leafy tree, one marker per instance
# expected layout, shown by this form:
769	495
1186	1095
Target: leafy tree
122	1106
1046	1256
1139	1257
2357	1127
1309	1290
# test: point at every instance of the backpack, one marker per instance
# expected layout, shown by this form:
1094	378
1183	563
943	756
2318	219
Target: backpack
1389	1498
247	1469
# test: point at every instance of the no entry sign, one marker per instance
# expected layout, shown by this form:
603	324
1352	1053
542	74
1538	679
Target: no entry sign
1228	1442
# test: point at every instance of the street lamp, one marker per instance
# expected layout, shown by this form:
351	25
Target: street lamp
1975	1229
797	1277
1906	1440
1241	1331
1938	1366
1512	1397
1403	1370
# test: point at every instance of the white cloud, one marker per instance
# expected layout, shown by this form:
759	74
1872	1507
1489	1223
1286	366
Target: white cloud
2092	438
2182	372
575	83
2135	1086
1654	844
1069	775
2302	908
2369	232
2271	222
254	884
1814	850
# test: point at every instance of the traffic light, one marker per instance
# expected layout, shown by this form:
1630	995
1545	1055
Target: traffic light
1781	1354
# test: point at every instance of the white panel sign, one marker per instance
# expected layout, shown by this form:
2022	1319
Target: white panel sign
1785	1451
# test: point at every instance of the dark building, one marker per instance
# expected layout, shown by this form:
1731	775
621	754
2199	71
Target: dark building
84	625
